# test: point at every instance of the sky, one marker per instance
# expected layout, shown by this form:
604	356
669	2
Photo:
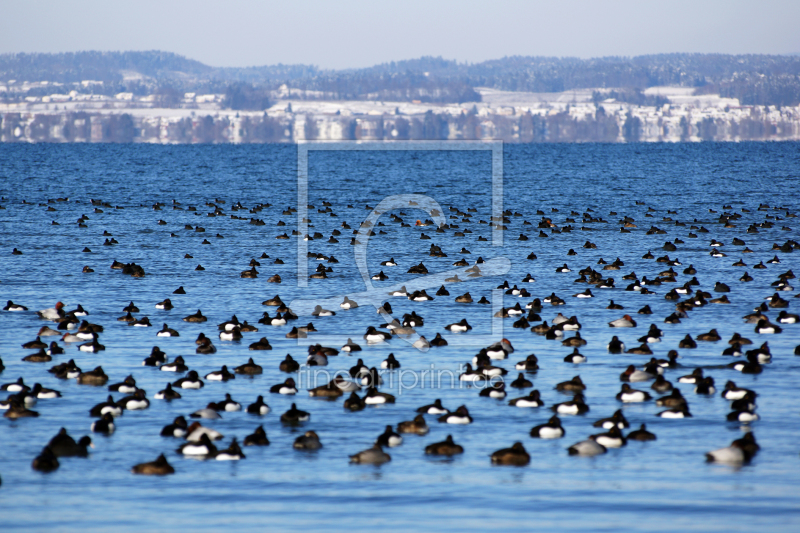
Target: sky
359	33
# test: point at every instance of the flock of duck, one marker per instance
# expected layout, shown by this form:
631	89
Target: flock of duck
653	380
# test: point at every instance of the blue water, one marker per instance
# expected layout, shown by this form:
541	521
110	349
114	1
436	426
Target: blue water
657	486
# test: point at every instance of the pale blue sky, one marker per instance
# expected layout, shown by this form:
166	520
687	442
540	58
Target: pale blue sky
358	33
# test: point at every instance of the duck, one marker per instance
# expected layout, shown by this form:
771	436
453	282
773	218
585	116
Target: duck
46	461
738	339
203	447
287	387
495	390
47	331
295	416
16	386
196	317
629	395
641	434
459	416
319	311
705	386
351	346
687	342
177	365
55	349
93	377
587	448
143	322
374	397
221	375
16	409
262	344
11	306
389	438
228	404
625	322
233	334
530	364
435	408
373	336
354	402
374	455
232	453
735	454
574	384
190	381
63	445
307	441
661	384
257	438
613	438
127	317
390	362
531	400
39	357
135	402
258	407
41	393
167	394
633	375
165	305
420	296
108	407
317	358
499	350
156	358
616	420
765	327
195	432
575	357
552	429
675	412
516	455
347	303
166	331
616	345
35	344
206	347
127	386
459	327
289	364
91	347
417	426
105	425
521	382
54	314
399	292
751	366
250	368
159	467
576	406
575	341
711	336
742	415
446	447
732	392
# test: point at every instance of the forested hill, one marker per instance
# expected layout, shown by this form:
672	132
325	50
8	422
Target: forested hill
753	79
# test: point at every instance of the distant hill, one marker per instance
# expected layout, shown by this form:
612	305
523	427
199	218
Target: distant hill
753	79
